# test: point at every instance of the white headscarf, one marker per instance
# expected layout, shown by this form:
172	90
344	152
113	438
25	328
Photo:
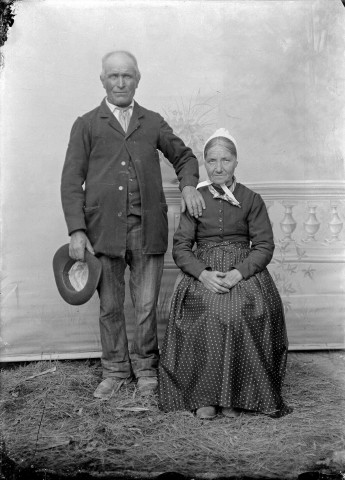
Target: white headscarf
221	132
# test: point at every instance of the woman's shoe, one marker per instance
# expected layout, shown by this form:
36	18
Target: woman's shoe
206	413
231	412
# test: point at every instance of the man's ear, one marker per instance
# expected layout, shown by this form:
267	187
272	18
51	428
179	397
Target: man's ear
138	80
101	78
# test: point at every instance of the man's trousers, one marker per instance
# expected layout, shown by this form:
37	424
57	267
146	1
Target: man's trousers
145	279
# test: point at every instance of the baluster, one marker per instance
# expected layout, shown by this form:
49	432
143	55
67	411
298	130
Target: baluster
311	225
269	204
335	225
288	223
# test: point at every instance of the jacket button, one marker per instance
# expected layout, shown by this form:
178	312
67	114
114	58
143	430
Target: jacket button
123	163
119	214
120	188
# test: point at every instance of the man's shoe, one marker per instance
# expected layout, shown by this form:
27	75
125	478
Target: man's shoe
147	385
109	386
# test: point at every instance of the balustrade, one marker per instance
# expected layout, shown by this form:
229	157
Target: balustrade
315	226
302	214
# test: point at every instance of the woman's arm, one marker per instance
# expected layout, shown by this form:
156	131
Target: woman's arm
184	257
261	236
184	239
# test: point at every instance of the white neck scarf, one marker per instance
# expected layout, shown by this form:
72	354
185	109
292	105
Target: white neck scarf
228	195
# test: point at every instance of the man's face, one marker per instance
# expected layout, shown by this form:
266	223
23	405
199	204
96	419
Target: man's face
119	78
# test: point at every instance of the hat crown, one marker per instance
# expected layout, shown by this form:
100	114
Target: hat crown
76	281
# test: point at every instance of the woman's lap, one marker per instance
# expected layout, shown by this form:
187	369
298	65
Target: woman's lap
227	349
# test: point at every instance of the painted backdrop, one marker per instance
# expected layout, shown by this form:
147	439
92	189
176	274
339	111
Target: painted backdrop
272	72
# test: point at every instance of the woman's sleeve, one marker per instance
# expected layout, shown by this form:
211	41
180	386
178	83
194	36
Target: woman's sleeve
183	243
261	237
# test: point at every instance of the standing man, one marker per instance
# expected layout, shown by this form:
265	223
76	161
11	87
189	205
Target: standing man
114	206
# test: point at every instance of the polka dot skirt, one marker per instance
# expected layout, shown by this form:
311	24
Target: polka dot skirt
229	349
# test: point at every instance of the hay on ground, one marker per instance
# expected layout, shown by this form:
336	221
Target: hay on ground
52	421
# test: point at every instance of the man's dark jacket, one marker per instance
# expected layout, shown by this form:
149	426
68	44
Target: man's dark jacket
95	176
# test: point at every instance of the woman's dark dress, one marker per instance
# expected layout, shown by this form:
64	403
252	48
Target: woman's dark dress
226	349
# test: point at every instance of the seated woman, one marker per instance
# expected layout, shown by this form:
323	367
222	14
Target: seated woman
225	347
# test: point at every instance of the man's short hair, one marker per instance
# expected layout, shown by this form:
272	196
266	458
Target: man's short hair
124	52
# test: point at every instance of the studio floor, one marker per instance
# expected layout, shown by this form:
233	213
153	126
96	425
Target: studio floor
52	427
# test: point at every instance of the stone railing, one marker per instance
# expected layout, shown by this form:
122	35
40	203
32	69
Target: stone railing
309	215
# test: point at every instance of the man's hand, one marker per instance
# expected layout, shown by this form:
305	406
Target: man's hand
232	278
192	199
77	245
213	281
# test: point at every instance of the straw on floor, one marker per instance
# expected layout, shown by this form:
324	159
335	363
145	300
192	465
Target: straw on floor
51	421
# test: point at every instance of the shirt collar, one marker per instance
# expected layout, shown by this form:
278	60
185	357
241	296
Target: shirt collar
115	107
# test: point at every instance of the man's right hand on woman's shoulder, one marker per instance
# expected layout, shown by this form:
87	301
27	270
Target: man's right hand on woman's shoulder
78	243
213	281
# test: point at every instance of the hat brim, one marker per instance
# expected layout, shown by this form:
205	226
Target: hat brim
62	263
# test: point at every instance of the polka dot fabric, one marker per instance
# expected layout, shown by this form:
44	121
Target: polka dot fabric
227	350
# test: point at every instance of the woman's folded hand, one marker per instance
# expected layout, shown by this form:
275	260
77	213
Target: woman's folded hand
214	281
231	278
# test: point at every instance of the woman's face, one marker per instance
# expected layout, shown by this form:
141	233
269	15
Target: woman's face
220	164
